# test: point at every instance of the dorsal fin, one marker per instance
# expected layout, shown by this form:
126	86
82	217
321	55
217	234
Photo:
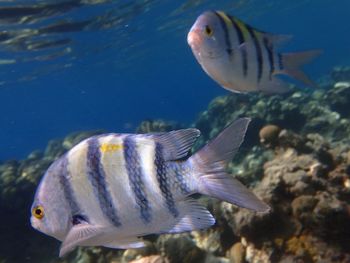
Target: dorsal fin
177	144
276	40
244	28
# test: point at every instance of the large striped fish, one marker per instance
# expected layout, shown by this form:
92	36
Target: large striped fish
241	58
111	189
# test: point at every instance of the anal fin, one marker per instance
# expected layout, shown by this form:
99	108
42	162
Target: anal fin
274	86
126	243
193	216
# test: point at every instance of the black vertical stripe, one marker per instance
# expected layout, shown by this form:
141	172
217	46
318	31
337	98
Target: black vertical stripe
176	168
136	177
226	33
258	51
163	180
241	41
62	165
280	61
239	32
269	48
97	178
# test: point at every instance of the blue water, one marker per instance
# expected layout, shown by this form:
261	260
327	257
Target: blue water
132	62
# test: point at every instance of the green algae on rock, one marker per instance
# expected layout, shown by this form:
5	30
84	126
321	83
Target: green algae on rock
149	126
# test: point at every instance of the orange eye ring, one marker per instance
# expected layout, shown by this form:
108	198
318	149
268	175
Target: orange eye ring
38	212
208	31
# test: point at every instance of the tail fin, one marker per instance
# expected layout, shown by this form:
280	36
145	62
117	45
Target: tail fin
292	63
210	164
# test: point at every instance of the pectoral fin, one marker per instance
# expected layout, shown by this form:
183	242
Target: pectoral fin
243	46
80	235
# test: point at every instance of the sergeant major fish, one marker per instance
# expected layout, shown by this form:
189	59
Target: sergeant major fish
111	189
241	58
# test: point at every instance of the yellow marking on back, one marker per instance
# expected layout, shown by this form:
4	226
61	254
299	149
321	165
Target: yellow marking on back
225	18
243	28
110	148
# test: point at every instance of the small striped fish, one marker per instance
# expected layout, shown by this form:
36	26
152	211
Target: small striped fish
112	189
243	59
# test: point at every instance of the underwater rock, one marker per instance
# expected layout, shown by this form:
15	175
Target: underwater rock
217	239
296	114
339	97
307	248
254	255
74	138
151	259
247	166
131	255
210	258
305	188
180	248
237	252
54	149
331	217
342	85
269	134
293	174
288	139
302	205
340	74
245	223
303	247
91	255
299	111
208	240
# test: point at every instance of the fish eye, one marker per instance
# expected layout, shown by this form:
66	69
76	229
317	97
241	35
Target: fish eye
38	212
208	31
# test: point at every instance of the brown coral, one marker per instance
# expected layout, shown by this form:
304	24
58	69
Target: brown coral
269	134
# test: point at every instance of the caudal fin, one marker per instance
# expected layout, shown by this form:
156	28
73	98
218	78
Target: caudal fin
210	164
292	63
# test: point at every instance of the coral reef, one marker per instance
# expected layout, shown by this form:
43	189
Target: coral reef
296	157
310	208
269	134
149	126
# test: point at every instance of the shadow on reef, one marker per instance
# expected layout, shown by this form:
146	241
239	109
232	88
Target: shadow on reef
296	157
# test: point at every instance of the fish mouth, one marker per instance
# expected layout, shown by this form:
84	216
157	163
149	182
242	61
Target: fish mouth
34	223
195	41
50	231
